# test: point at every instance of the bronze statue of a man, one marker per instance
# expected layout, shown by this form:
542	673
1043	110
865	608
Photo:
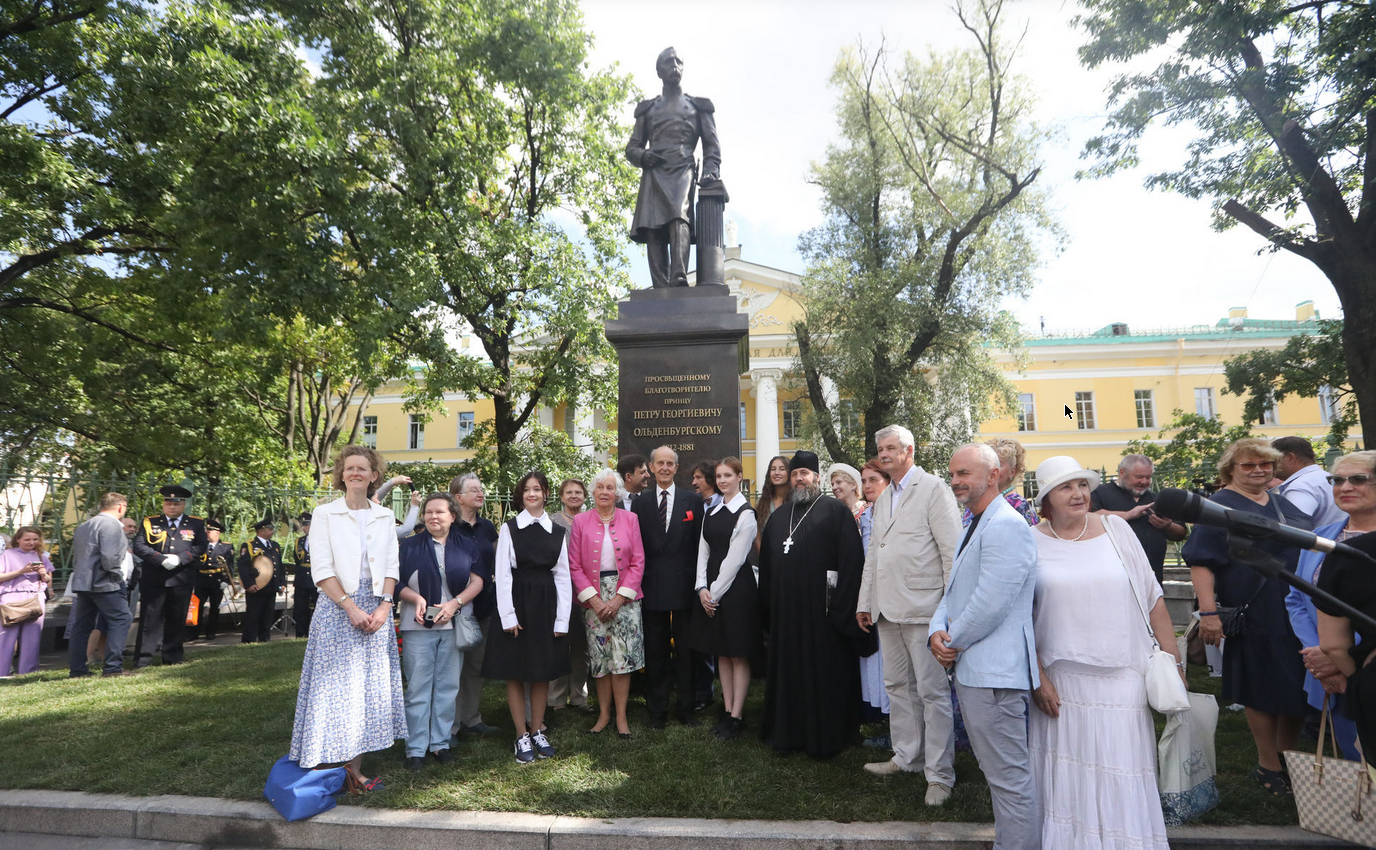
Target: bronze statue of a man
667	130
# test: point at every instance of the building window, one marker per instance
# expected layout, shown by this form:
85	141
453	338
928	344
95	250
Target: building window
742	420
465	426
1146	408
570	417
1204	402
1328	411
1084	411
415	438
1027	412
793	418
1269	414
849	416
370	431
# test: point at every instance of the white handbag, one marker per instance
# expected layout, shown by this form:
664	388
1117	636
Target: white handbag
1166	691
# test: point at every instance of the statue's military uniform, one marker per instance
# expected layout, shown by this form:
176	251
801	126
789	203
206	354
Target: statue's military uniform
670	127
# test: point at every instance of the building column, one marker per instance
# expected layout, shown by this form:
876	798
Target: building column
829	393
582	429
766	393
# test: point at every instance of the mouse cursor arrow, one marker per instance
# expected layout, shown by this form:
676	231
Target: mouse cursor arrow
1069	414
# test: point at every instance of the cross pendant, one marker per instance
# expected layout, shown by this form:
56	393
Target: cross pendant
788	543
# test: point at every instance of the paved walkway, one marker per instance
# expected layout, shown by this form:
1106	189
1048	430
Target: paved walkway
200	823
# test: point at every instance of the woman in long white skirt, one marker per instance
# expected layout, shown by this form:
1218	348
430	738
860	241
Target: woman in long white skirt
1093	745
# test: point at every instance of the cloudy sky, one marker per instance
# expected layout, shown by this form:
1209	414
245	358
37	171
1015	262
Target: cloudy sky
1147	258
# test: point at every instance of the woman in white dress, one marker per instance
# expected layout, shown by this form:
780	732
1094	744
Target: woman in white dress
1093	745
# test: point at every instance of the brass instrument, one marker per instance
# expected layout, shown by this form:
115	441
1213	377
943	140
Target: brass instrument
222	565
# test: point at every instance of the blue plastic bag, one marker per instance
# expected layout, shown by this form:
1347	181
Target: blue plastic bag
297	793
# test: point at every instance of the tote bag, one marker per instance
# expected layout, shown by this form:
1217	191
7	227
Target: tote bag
1186	768
1334	796
297	793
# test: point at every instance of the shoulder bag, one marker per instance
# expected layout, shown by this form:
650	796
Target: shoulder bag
1233	618
1166	691
1332	793
20	613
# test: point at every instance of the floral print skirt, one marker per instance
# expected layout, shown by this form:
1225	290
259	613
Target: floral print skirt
350	701
616	646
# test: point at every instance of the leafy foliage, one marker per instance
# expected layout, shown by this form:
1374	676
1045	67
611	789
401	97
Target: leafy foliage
1283	97
931	220
1304	367
1193	445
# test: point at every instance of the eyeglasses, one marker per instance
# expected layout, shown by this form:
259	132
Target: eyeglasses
1359	480
1248	466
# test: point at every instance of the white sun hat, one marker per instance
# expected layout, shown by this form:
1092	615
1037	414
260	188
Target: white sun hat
1055	471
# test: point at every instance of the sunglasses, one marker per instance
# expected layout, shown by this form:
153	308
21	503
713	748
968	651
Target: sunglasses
1249	466
1359	480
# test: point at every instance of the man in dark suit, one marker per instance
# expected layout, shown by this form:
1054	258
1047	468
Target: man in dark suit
304	591
213	571
170	547
670	525
260	604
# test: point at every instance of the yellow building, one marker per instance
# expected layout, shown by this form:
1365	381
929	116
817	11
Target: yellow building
1120	383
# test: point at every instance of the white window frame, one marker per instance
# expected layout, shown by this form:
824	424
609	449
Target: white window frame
415	432
1328	410
471	421
1084	410
1027	412
1209	408
743	421
369	435
1146	414
790	420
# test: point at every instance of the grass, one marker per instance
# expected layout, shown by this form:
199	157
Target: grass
213	726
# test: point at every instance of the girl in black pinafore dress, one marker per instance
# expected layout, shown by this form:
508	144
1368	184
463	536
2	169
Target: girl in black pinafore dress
528	641
726	623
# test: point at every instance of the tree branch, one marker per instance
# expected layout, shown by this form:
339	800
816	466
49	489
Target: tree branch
1273	233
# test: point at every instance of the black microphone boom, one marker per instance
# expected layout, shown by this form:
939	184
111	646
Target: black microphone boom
1184	506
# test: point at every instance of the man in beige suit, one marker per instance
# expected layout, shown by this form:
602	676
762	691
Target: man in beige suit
913	542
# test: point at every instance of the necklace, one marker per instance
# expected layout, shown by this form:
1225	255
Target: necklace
1052	526
788	541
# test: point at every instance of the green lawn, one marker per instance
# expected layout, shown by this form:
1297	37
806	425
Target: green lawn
213	727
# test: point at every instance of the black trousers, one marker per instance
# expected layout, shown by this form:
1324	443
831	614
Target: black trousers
303	606
209	589
260	609
668	660
176	602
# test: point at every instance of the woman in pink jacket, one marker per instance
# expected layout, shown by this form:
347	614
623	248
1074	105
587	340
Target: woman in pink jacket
607	561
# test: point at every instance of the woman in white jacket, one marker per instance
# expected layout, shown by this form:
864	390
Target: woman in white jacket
350	701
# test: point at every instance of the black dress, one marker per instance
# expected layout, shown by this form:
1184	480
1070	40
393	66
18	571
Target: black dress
812	681
734	631
1354	581
1262	668
535	654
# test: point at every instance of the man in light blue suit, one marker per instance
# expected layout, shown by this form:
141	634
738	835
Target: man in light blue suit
983	627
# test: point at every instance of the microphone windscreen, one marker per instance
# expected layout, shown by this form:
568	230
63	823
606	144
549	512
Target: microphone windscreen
1179	505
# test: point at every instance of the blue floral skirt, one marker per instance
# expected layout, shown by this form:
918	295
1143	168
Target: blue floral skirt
617	646
350	701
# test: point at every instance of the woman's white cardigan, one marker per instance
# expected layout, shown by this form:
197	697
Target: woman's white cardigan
334	542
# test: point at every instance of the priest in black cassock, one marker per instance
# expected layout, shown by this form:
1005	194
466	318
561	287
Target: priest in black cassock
811	560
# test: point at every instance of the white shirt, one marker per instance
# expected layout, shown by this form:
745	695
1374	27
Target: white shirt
630	497
742	538
365	574
896	488
1309	490
506	562
668	513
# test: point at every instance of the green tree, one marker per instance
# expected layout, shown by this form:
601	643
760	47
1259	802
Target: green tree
1309	366
1283	99
1186	451
477	187
930	221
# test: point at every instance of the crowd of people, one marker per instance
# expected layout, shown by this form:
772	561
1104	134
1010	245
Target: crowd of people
947	601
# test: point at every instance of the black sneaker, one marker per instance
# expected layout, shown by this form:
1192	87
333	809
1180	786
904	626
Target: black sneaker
444	756
525	753
415	764
542	745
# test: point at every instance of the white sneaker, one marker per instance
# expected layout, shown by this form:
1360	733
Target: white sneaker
882	768
937	794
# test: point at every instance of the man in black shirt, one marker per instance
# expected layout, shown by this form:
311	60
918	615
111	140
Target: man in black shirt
468	491
1130	497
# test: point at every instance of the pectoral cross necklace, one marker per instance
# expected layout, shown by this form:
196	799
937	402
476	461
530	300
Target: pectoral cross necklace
792	527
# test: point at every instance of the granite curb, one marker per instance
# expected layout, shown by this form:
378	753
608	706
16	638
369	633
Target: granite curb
237	823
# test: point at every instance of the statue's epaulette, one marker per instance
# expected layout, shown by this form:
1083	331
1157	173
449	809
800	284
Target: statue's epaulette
703	104
644	106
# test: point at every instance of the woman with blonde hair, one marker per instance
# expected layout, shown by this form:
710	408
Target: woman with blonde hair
1262	665
350	700
25	575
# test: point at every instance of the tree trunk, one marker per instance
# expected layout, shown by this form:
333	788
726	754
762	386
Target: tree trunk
1355	280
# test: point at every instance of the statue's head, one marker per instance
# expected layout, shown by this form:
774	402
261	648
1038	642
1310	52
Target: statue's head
668	66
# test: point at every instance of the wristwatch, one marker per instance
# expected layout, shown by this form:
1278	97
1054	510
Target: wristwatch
387	597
